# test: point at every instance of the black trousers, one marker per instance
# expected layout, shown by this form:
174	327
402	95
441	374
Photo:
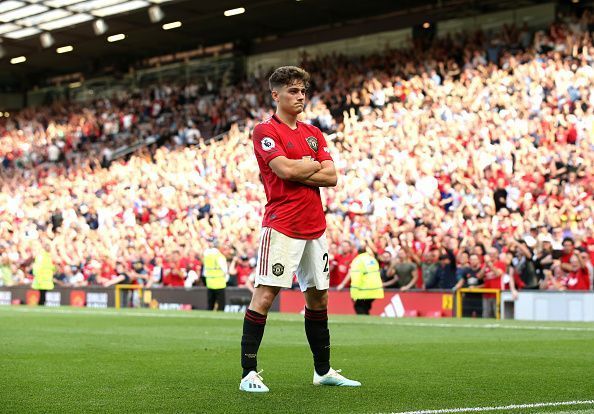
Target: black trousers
41	297
363	306
216	296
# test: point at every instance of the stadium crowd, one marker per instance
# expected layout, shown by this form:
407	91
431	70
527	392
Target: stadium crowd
468	163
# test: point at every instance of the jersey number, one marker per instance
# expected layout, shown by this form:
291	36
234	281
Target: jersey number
325	258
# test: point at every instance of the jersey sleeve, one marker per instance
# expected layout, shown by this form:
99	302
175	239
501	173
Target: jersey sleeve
323	153
267	144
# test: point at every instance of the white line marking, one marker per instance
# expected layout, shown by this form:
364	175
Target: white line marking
278	317
500	326
500	408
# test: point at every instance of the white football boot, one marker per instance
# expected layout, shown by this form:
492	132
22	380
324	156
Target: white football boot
334	378
252	382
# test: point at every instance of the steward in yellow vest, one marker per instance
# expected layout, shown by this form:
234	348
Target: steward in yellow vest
214	270
366	282
43	272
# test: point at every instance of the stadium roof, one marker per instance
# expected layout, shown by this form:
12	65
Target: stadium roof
74	42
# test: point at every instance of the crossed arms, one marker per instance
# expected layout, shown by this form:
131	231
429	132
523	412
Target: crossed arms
305	171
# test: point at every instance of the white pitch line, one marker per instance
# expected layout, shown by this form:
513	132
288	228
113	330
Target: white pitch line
278	317
500	326
500	408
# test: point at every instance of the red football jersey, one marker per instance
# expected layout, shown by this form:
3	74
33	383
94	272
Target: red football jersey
578	280
293	209
339	272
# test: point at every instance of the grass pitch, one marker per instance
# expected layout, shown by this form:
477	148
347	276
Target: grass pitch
140	361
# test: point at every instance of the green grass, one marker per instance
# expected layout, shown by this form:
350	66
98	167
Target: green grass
138	361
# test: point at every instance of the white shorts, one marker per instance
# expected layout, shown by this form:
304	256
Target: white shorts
280	257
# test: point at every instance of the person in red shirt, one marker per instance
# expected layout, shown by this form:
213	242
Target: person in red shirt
578	278
494	271
294	162
172	274
118	276
340	263
568	251
241	269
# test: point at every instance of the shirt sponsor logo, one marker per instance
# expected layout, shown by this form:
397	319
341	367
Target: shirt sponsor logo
313	143
267	143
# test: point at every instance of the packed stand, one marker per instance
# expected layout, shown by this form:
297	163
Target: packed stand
467	164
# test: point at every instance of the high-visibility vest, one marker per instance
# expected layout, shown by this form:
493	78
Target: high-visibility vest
366	282
213	274
43	270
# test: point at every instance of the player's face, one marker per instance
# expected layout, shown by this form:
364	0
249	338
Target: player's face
290	98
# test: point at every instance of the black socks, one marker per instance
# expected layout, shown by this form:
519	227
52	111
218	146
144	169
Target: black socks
316	330
318	336
253	330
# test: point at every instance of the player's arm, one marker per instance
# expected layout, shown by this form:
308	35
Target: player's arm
326	177
294	170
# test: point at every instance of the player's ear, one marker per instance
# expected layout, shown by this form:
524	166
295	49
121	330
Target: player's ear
274	94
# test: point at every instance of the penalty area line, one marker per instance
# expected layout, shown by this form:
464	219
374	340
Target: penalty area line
499	408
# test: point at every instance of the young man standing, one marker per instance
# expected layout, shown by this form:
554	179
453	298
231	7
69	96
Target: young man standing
294	162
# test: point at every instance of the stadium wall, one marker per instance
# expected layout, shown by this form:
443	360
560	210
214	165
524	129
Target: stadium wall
549	306
99	297
535	16
395	304
532	306
11	101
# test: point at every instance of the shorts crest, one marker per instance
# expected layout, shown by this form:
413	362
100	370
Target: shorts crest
278	269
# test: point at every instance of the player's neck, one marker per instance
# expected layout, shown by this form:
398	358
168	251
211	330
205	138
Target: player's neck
289	119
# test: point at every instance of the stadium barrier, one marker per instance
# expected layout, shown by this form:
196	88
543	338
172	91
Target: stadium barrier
548	306
394	303
100	297
460	302
121	293
530	305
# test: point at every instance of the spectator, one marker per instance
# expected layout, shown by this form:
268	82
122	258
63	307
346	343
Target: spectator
472	278
340	263
445	275
240	270
405	273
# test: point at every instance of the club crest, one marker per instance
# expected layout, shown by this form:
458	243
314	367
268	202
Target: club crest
313	143
278	269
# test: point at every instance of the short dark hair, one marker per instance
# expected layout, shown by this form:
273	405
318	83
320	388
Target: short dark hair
568	239
286	75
